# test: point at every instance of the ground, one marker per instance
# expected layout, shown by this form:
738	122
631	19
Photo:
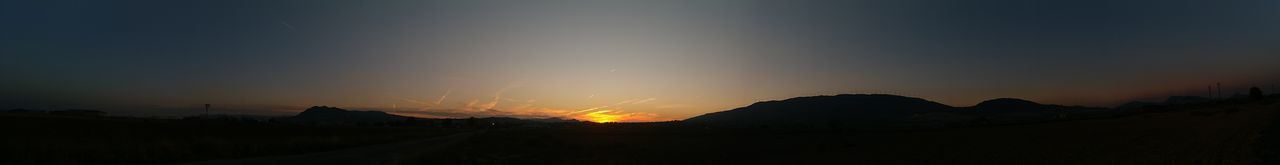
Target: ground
1231	133
1228	134
32	138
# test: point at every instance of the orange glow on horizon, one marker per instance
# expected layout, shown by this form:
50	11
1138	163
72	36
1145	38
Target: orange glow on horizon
607	116
602	116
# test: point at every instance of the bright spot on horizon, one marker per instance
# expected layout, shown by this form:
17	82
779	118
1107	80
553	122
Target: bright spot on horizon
602	116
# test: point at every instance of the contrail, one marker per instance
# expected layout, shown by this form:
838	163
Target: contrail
624	102
588	109
446	94
497	96
286	24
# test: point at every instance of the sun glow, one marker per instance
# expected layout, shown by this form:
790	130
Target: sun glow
603	116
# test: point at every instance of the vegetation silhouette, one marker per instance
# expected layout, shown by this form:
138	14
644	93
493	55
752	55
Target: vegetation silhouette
847	128
1255	93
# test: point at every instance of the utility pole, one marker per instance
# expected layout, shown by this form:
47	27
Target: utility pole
206	110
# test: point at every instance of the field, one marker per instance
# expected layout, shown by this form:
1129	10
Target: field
1214	134
53	139
1222	133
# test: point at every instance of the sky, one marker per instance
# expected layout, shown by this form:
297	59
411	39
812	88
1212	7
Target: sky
615	60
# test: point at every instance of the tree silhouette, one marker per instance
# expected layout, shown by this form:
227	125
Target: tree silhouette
1255	93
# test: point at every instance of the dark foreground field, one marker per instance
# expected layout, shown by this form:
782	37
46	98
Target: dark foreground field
1224	133
53	139
1217	134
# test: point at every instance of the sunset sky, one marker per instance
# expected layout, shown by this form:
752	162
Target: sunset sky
606	60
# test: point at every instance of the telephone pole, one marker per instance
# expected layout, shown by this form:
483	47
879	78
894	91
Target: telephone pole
206	109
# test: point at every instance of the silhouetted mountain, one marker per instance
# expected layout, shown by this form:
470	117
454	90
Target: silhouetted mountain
333	114
838	108
1010	110
1004	105
1012	105
891	111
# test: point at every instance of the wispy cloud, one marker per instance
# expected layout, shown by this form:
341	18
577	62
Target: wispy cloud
586	110
614	113
446	94
287	25
497	96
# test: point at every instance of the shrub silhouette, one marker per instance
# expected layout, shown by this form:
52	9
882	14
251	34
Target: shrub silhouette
1255	93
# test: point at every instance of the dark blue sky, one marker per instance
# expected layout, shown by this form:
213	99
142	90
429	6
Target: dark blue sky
643	60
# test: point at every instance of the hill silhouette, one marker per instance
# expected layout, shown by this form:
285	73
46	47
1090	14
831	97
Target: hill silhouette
882	109
339	115
1004	105
845	107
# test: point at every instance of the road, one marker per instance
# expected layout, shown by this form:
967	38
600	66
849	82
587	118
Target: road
384	154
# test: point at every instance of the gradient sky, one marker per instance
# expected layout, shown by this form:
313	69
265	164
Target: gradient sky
618	60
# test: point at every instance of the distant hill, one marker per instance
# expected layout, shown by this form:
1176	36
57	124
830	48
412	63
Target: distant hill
845	107
881	109
339	115
1003	105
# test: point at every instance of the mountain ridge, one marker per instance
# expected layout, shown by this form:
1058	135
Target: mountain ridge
845	109
334	114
